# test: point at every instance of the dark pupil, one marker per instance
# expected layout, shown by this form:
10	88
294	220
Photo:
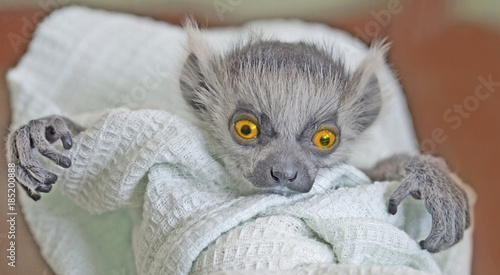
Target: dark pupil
324	140
246	130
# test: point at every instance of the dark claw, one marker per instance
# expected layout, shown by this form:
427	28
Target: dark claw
422	244
39	134
52	178
67	142
393	208
32	195
44	188
65	162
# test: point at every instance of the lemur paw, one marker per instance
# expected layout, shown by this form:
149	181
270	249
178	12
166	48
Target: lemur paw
428	178
38	134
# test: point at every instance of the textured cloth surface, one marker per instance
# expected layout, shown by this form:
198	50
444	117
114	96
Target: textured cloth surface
144	196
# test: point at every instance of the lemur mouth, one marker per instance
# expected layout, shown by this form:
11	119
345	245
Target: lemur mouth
281	190
284	189
296	184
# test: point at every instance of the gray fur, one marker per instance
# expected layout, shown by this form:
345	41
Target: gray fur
299	88
291	90
426	177
39	134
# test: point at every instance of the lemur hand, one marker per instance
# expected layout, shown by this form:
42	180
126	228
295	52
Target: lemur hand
39	134
428	178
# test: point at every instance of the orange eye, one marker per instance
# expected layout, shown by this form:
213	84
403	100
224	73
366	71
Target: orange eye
246	129
324	139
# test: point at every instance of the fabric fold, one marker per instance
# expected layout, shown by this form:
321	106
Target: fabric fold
145	196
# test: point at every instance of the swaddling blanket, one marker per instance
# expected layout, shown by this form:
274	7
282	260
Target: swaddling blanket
145	196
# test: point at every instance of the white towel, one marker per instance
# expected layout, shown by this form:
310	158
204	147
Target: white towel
166	206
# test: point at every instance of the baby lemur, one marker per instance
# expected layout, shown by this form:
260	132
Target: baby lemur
278	111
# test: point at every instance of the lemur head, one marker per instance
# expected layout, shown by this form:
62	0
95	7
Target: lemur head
280	111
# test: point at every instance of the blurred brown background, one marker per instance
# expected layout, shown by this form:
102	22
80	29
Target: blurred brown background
443	52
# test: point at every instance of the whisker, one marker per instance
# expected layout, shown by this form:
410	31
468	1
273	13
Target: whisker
328	179
229	195
327	193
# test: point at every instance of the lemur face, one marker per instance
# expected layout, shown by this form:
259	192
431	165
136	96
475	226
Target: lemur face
279	111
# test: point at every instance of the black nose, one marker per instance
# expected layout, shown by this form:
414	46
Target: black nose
285	176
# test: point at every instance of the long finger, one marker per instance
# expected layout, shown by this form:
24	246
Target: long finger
32	194
44	147
443	232
26	179
23	156
399	195
58	129
28	182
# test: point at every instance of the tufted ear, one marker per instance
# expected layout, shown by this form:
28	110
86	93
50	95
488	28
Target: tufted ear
364	98
192	80
193	83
